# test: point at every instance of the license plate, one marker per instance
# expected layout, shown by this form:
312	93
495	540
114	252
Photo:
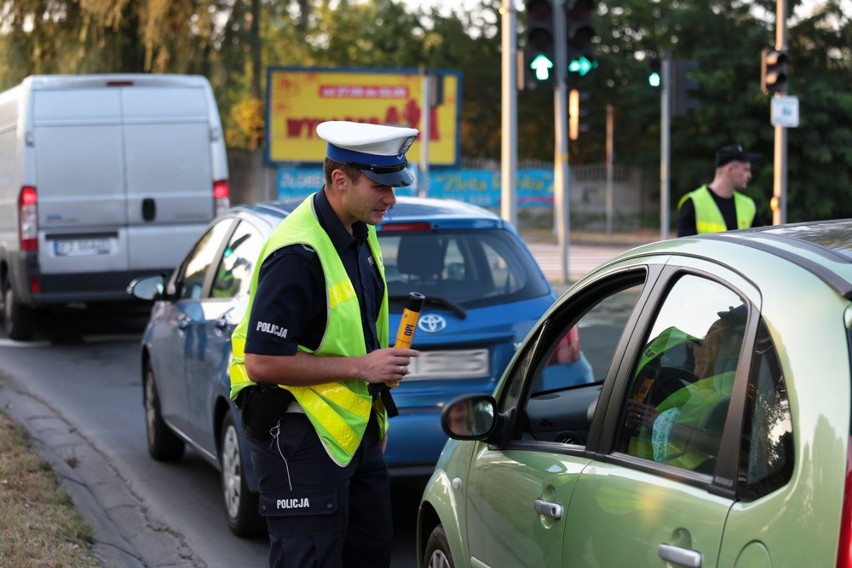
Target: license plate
81	247
458	364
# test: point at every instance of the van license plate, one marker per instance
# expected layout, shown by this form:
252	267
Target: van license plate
81	247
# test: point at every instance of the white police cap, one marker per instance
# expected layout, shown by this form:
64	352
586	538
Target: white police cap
375	149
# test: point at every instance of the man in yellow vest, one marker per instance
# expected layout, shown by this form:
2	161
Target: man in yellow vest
311	359
719	206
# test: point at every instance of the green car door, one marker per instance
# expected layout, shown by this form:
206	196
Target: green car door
518	493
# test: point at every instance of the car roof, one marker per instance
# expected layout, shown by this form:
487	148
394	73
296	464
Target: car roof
823	248
439	213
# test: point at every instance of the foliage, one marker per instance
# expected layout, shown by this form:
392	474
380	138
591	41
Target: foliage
232	41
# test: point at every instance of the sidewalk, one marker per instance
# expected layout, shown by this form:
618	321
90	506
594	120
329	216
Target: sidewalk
619	239
585	253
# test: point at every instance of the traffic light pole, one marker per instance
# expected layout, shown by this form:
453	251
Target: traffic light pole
779	186
560	146
665	145
509	142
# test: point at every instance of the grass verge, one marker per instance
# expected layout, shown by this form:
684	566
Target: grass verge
39	525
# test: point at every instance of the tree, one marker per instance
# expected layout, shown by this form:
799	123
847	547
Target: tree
232	41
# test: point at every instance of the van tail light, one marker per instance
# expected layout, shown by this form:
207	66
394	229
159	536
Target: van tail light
844	547
28	218
221	197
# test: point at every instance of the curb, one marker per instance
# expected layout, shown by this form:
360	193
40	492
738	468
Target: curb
123	536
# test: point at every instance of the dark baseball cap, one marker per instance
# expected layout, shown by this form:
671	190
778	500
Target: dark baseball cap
734	153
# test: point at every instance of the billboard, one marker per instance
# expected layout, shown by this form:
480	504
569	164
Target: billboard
479	187
299	98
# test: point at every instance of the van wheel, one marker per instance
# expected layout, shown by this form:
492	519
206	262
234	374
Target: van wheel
163	444
437	553
18	319
241	504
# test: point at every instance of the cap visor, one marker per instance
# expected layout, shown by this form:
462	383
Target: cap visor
402	178
752	157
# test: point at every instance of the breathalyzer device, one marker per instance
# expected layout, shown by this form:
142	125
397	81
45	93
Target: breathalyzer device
407	324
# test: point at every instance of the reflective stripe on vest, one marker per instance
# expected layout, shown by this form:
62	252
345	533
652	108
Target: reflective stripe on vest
339	411
708	218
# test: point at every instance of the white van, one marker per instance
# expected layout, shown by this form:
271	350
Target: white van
102	178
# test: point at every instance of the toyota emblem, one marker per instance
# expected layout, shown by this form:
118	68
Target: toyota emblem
432	323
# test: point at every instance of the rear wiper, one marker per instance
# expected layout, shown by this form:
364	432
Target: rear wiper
437	301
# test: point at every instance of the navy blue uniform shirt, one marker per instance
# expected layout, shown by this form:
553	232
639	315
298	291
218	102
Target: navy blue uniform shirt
290	305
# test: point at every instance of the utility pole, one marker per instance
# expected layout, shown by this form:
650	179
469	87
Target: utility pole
425	134
665	145
610	160
509	143
560	122
779	185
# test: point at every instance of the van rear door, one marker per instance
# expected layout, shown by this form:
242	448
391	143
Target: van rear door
167	137
80	172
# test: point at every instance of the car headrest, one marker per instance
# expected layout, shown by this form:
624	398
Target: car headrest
420	256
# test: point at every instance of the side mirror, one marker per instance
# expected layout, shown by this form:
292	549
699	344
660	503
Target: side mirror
147	287
472	417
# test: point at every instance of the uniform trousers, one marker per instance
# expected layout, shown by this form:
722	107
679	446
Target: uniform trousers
321	515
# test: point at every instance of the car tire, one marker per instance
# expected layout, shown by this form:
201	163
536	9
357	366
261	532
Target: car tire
18	319
163	444
241	504
437	553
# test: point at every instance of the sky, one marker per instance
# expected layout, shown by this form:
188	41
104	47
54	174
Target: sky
807	4
448	4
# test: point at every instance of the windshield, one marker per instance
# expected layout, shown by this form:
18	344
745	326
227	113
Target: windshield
472	268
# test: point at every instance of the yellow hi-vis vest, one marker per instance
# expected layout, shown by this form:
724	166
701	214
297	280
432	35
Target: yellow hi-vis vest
339	411
689	406
708	218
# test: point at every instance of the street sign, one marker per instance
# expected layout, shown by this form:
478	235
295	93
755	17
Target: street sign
785	112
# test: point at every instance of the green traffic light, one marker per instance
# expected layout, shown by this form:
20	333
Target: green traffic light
541	65
654	79
581	65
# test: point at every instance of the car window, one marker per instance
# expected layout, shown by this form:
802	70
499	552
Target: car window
766	459
233	274
190	279
681	385
469	268
569	363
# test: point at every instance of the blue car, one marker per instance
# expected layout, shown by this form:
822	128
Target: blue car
483	292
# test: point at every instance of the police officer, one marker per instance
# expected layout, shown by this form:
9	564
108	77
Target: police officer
311	358
718	206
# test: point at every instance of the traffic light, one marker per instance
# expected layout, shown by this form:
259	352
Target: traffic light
580	34
684	86
773	71
655	77
538	53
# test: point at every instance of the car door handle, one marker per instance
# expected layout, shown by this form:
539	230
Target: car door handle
223	321
548	509
183	322
679	556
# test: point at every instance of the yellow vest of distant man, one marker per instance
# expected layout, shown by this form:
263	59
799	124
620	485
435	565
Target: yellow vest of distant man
339	411
708	218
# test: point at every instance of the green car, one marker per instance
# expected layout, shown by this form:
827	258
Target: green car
716	433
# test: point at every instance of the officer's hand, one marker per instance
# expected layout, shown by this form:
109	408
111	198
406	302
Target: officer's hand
385	365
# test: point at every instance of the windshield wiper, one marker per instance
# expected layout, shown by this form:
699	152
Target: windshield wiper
437	301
